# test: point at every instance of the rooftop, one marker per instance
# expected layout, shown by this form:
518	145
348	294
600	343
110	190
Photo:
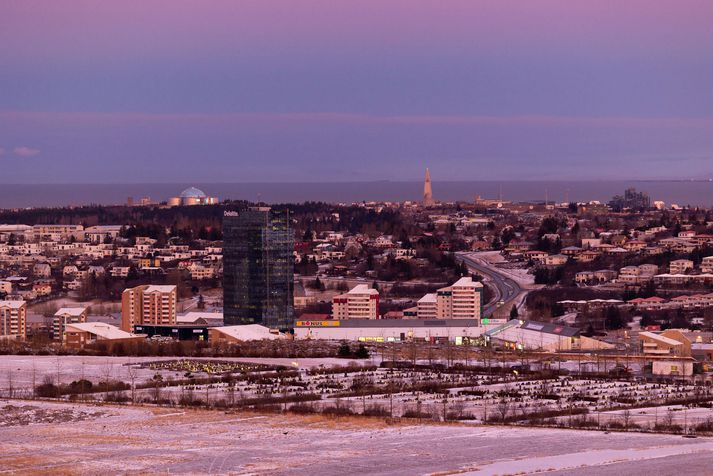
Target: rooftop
12	304
72	311
248	332
105	331
193	192
156	288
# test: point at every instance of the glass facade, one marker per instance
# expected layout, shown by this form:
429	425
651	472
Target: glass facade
258	268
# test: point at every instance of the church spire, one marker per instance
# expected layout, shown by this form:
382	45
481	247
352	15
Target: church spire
427	191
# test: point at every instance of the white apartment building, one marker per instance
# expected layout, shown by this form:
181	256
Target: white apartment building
200	272
361	302
13	316
64	316
462	300
427	307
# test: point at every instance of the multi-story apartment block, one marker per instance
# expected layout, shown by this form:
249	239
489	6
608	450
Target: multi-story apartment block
148	304
707	264
57	232
361	302
680	266
13	316
462	300
427	307
64	316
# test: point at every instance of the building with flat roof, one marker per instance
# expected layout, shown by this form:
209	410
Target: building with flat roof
519	334
56	232
461	300
176	331
258	268
390	330
361	302
148	304
13	319
64	316
79	335
247	332
427	307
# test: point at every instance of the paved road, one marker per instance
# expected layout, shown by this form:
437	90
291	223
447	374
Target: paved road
506	289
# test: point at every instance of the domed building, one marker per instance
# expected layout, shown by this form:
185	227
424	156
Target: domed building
192	196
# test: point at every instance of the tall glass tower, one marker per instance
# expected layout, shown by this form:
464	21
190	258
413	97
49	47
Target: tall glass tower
258	268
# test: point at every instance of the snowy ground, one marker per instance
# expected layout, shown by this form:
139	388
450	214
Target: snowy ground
111	440
422	393
21	368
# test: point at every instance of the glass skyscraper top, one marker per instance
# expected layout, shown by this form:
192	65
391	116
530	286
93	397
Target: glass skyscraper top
258	268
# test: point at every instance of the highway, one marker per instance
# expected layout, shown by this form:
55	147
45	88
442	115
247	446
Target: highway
506	289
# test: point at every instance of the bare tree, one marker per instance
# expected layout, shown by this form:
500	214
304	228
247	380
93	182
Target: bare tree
207	393
157	380
59	376
668	419
626	418
503	407
107	371
132	372
230	380
10	385
458	408
34	378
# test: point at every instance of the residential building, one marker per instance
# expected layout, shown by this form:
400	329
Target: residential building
707	264
13	315
148	305
555	260
680	266
258	268
462	300
361	302
42	270
64	316
427	307
102	233
57	232
5	287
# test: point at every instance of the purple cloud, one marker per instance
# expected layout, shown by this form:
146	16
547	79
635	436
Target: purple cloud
24	151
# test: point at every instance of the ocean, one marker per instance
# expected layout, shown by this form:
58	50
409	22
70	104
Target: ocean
694	193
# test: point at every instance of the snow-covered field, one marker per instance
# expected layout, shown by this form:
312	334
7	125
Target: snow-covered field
22	370
110	440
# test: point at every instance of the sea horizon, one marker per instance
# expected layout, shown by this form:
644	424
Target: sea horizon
682	192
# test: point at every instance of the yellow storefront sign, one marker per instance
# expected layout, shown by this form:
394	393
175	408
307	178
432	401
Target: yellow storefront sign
317	324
